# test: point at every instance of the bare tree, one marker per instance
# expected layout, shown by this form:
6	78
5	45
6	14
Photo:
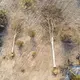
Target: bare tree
17	29
51	16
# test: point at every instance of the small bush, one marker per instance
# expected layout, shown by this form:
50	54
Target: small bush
34	54
19	43
69	35
2	12
27	3
12	55
55	71
22	70
66	39
4	57
31	33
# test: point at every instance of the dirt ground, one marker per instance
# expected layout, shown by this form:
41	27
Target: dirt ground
23	66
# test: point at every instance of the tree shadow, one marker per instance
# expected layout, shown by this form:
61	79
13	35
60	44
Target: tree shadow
78	3
33	43
68	45
3	27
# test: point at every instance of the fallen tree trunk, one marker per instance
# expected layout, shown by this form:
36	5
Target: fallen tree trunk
12	51
53	53
52	41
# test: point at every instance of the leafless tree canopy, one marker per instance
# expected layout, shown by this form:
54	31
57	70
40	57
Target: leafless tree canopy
50	14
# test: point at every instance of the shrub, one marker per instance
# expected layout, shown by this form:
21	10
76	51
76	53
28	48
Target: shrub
69	35
12	55
31	33
34	54
22	70
19	43
2	12
66	39
55	71
27	3
4	57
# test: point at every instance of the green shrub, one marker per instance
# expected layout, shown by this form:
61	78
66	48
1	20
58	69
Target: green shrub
19	43
31	33
55	71
2	12
12	55
22	70
34	54
27	3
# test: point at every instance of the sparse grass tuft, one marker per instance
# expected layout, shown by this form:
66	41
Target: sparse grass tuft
19	43
31	33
